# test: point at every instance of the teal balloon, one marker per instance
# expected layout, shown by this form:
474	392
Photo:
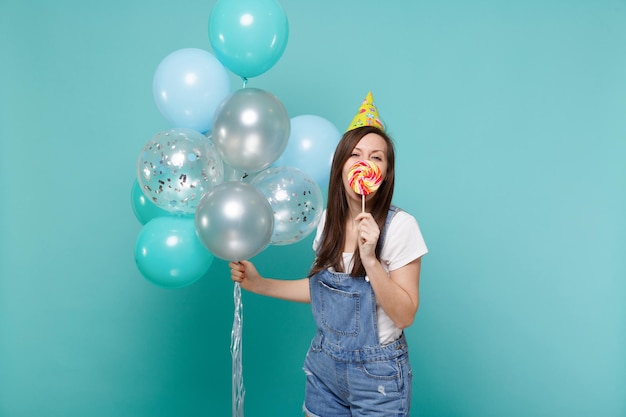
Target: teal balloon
169	254
248	36
144	209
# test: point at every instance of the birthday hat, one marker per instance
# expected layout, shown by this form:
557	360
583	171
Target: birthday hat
367	115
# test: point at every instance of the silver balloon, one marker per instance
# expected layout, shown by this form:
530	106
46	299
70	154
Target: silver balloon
251	129
296	200
233	174
234	221
177	167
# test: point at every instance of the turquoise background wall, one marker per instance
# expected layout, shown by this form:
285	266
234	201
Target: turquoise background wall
509	123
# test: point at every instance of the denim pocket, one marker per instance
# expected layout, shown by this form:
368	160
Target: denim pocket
339	310
391	378
385	370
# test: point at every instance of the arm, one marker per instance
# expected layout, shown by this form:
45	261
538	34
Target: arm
397	291
245	273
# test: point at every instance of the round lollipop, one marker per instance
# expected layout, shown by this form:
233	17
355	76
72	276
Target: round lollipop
364	178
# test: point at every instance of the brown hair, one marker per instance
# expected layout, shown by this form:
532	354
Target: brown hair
330	250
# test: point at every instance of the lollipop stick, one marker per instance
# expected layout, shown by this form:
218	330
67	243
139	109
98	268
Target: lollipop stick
362	203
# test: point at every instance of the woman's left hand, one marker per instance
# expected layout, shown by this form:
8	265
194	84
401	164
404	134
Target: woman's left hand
368	233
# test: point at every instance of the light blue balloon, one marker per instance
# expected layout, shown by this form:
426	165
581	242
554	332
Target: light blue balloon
143	208
188	85
311	146
248	36
169	254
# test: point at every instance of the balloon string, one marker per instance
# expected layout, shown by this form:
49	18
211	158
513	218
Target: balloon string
238	389
245	82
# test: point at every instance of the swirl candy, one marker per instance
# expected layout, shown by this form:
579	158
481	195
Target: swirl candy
364	177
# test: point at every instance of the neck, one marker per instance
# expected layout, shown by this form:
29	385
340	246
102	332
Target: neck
354	208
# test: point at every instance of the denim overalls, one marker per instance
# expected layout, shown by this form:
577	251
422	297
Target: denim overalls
348	372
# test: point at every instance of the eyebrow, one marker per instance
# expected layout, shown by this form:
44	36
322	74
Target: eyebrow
374	150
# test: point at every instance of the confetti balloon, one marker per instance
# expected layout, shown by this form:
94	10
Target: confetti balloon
296	201
177	167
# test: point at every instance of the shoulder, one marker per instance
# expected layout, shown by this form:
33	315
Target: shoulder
402	217
403	241
402	221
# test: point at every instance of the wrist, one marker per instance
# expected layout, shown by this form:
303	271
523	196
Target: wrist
370	262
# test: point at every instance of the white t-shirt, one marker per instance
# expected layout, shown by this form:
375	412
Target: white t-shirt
403	244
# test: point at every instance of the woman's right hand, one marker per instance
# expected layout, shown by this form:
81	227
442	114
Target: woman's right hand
245	273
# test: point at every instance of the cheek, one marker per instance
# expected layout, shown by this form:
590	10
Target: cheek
383	170
345	172
346	182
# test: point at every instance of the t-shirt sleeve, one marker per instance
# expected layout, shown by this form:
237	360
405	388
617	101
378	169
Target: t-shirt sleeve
318	233
403	242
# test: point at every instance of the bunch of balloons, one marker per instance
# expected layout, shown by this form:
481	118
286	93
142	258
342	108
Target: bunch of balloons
234	173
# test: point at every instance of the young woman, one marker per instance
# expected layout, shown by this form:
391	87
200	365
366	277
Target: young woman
363	288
